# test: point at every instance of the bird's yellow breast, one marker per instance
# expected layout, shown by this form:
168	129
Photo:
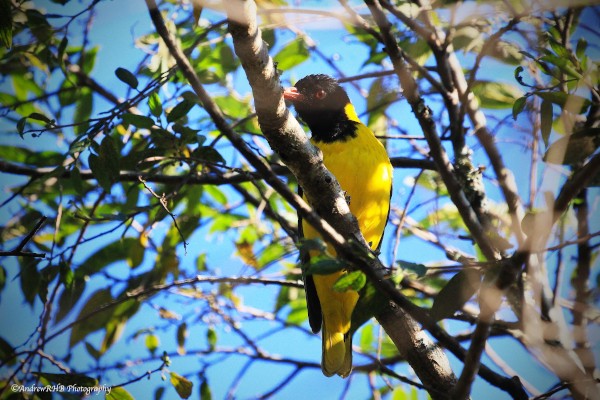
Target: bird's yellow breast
362	167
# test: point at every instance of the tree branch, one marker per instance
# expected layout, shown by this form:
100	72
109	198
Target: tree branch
18	251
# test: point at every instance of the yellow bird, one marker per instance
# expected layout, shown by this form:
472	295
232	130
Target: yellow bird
361	165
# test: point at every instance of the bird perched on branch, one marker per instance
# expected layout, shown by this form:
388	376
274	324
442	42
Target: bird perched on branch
360	163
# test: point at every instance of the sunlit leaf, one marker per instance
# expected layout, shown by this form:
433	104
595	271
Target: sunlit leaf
292	54
119	393
298	313
246	253
367	338
354	280
155	104
182	385
211	338
152	343
496	95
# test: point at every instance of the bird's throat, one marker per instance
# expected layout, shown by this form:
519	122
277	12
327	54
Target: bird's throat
332	126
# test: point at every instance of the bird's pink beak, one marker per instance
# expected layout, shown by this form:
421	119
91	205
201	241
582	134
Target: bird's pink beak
292	94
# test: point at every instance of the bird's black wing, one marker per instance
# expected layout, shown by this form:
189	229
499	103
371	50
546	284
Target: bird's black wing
313	304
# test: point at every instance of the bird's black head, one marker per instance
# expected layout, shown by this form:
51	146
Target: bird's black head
320	102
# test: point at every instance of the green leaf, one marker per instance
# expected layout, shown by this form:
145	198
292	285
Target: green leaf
95	320
298	313
119	393
418	269
354	280
62	46
518	76
155	104
581	47
105	166
455	294
65	274
158	394
292	54
68	379
207	77
367	338
546	117
83	110
324	265
68	93
217	194
205	393
69	298
496	95
519	106
182	333
211	338
152	343
38	24
39	117
30	279
141	121
208	154
6	23
92	351
76	180
21	125
182	385
106	255
180	110
227	58
127	77
99	171
570	102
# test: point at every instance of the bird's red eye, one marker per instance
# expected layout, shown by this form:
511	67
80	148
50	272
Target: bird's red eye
320	94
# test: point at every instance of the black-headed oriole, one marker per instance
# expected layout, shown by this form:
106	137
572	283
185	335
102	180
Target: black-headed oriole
360	163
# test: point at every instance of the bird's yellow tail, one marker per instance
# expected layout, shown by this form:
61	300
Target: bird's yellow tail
337	353
337	312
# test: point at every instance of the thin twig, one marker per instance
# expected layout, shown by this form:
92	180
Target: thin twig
18	251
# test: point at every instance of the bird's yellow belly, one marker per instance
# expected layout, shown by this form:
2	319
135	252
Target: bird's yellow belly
362	168
365	175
